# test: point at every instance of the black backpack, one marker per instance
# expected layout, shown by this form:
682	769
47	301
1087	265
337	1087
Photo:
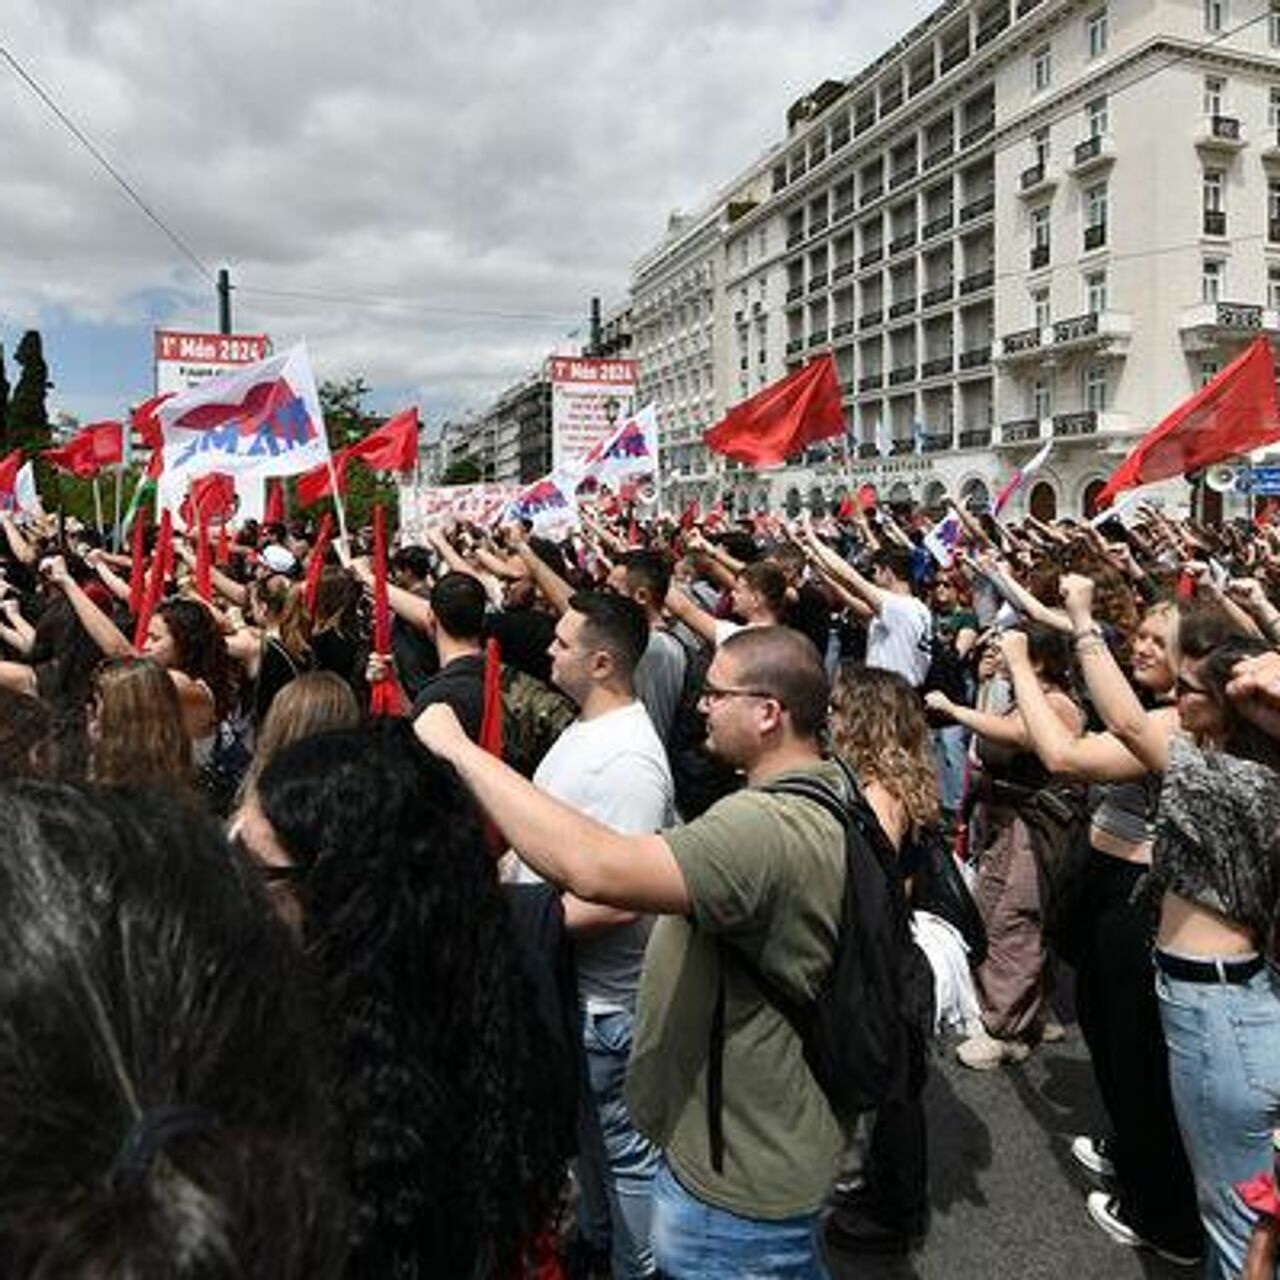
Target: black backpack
875	1003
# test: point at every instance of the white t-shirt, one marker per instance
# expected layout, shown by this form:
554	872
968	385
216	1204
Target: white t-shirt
613	768
898	638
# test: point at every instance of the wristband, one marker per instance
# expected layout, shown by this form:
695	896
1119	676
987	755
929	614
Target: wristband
1091	632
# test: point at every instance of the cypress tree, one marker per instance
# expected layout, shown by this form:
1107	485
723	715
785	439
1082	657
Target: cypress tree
28	417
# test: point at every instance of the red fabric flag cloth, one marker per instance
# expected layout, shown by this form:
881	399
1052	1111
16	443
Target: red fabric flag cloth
779	421
138	569
491	716
100	444
315	562
1233	413
146	423
689	516
204	564
392	446
868	498
161	561
212	497
311	486
10	465
223	556
846	508
275	502
384	697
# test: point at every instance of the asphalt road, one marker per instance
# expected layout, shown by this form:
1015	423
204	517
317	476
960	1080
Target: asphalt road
1008	1200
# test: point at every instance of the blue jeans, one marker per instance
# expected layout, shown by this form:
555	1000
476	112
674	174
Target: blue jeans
1224	1070
693	1240
950	745
615	1165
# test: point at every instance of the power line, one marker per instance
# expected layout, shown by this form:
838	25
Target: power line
406	305
85	141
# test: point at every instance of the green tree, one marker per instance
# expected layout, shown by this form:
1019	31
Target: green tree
4	405
463	471
28	416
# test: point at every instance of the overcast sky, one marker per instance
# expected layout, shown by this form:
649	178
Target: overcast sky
452	156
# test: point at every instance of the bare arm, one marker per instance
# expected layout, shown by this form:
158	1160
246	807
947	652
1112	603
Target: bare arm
404	604
18	677
22	550
548	581
102	630
693	615
591	861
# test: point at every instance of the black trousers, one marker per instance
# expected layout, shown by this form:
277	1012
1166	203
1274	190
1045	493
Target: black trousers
1116	1005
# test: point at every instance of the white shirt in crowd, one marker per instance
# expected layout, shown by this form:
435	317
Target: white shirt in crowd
898	638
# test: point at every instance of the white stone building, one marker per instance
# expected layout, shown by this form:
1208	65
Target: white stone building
1029	219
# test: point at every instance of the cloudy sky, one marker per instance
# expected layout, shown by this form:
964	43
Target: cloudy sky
451	179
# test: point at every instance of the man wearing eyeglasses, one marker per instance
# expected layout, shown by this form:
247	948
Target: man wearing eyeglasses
753	886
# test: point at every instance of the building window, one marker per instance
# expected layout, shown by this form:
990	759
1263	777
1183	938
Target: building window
1273	211
1041	398
1041	69
1095	292
1212	273
1095	26
1209	369
1273	107
1273	25
1213	188
1040	147
1215	95
1215	14
1040	227
1040	307
1095	114
1095	387
1273	285
1095	205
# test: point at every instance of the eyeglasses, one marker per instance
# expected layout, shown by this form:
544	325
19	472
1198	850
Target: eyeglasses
713	693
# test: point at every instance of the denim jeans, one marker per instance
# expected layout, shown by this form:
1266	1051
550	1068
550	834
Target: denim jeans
693	1240
616	1165
950	745
1224	1070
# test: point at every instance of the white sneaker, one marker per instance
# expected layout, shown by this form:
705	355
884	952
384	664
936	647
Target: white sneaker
1091	1154
984	1052
1104	1209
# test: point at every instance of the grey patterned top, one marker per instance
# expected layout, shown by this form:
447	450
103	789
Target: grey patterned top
1218	836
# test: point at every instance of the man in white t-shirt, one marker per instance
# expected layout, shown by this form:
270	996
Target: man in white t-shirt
899	627
611	764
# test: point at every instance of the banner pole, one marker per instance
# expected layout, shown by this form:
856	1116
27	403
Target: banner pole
119	488
339	507
97	507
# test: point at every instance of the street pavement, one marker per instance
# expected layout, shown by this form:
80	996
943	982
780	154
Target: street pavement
1008	1200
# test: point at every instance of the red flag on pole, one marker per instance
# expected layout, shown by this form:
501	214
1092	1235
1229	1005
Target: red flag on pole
275	502
779	421
392	446
161	558
1233	413
689	516
491	716
138	570
311	486
100	444
315	563
223	556
10	465
204	563
384	697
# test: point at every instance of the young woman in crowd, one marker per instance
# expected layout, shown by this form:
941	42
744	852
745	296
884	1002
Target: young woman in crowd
136	734
276	645
163	1096
451	1122
1216	863
26	728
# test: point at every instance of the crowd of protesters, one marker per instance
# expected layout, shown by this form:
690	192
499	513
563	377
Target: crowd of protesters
506	984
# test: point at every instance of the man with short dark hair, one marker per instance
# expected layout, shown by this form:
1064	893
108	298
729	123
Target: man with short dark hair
899	627
645	577
753	887
455	624
414	651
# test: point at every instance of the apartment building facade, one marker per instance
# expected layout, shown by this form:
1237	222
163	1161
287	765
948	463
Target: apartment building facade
1029	220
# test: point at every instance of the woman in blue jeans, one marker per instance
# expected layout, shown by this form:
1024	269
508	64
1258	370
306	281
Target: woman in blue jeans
1217	865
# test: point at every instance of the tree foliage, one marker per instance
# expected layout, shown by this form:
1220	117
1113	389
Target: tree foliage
27	421
4	406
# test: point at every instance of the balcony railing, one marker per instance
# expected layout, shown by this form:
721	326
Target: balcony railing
1215	222
953	57
839	138
843	269
1039	256
871	382
870	196
1225	127
937	443
1273	231
843	210
976	208
796	291
1094	150
903	373
871	256
1020	430
817	337
975	357
900	177
939	293
978	281
817	225
936	226
818	280
1031	177
842	329
902	307
921	80
868	449
863	121
890	100
903	242
1083	423
1025	6
794	238
939	154
976	438
869	319
1021	340
794	345
1075	328
1238	315
978	132
1095	236
936	367
988	33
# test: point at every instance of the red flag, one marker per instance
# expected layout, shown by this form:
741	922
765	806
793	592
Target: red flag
311	486
384	697
689	516
1233	413
315	562
224	545
204	564
868	498
161	558
779	421
146	423
846	508
491	716
100	444
212	498
138	570
10	465
275	502
392	447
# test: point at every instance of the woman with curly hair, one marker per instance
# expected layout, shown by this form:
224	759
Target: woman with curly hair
453	1128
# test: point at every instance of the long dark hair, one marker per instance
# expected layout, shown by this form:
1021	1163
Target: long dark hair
452	1132
201	648
1240	736
145	977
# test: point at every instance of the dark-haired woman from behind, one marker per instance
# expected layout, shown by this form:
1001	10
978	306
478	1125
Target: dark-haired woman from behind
454	1129
163	1106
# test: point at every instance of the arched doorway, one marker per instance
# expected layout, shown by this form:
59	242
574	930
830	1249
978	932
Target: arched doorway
1043	502
817	503
975	495
899	495
935	496
793	502
1089	499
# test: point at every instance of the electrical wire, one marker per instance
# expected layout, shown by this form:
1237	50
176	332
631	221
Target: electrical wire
541	317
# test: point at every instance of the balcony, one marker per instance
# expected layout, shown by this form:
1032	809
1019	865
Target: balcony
871	256
978	132
842	329
1271	145
939	154
976	438
936	226
1039	257
1093	153
867	449
1211	324
843	269
902	307
1021	342
953	57
937	367
1095	236
900	177
1067	426
975	358
839	138
795	237
1025	6
1273	232
817	281
794	292
1102	332
921	79
817	156
1020	431
1220	133
870	382
900	244
869	319
794	345
938	294
1038	180
870	196
1215	222
863	121
988	33
936	443
843	210
903	373
977	208
978	281
817	337
890	99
